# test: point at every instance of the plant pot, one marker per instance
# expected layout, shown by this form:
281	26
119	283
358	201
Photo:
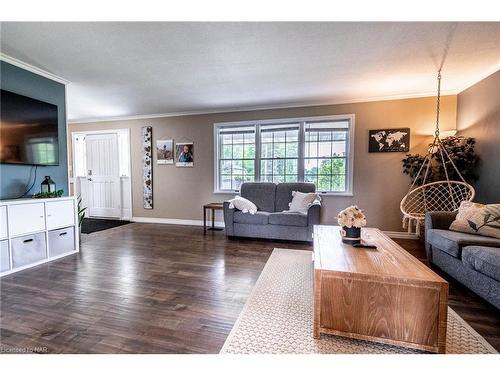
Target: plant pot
351	235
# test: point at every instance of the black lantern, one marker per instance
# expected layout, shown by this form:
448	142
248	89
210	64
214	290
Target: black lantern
48	185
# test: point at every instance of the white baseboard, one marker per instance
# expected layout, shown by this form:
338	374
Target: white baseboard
405	235
161	220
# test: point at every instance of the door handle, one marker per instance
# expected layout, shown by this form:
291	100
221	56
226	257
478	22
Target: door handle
89	179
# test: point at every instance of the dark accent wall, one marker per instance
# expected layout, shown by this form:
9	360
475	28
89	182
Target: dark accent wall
14	179
478	116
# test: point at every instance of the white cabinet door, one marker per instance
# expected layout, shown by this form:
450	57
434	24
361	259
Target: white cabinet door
60	214
3	222
26	218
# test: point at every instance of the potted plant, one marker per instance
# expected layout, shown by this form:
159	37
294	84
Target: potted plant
352	219
81	215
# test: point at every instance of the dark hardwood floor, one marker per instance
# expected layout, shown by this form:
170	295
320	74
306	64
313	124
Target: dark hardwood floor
152	288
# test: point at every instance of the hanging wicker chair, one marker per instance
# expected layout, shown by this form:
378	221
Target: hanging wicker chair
445	195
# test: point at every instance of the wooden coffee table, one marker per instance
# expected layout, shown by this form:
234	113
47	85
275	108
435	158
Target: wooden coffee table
383	295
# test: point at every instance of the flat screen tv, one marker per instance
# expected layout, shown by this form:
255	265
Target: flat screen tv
28	130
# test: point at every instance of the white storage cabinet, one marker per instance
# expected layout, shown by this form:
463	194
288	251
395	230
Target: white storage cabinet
35	231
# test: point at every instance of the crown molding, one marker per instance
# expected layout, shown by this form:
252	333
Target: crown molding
32	69
488	73
261	108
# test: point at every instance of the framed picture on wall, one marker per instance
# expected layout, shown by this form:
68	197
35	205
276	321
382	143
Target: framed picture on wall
389	140
165	151
184	154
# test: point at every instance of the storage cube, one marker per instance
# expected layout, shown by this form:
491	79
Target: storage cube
4	256
61	241
28	249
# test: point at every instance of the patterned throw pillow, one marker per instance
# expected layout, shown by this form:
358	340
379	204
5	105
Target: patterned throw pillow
302	201
243	204
482	219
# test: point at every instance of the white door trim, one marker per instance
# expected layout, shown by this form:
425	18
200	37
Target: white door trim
126	200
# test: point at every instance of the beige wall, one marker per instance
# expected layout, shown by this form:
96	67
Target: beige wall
379	185
478	116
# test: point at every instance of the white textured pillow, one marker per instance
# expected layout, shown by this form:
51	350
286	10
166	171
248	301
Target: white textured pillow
302	201
476	218
243	204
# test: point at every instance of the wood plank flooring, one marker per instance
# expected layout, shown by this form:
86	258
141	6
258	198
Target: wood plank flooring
152	288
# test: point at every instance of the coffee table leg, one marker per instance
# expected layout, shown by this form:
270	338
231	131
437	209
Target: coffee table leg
317	304
213	218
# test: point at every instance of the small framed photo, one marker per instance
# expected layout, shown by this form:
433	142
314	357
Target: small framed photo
184	154
165	151
389	140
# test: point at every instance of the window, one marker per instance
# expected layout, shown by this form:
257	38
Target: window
279	153
236	157
317	150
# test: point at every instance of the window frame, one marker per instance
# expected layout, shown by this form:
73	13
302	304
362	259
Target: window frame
301	147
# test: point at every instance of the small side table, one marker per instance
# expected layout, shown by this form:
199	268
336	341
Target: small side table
213	207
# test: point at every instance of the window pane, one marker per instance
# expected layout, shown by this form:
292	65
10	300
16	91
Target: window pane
266	150
249	151
339	148
266	137
339	136
237	181
291	166
292	150
279	136
249	178
266	167
227	138
338	182
237	151
324	183
266	178
325	136
311	149
225	182
292	136
279	150
278	167
225	166
338	166
324	149
249	138
248	167
291	178
227	151
238	138
325	167
311	166
311	136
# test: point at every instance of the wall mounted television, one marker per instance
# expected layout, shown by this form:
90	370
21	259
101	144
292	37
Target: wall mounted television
28	130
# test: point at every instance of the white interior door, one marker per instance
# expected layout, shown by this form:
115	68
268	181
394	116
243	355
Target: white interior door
103	175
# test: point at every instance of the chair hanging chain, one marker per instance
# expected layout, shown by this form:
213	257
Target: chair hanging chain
436	133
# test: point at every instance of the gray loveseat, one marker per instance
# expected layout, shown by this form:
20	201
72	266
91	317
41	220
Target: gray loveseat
270	221
471	259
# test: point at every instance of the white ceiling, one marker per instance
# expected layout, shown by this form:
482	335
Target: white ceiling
127	69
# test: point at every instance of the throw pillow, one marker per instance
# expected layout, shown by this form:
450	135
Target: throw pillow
302	201
243	204
482	219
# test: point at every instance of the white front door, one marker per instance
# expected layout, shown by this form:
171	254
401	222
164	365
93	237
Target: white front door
103	175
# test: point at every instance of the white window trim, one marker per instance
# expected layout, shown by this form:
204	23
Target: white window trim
302	121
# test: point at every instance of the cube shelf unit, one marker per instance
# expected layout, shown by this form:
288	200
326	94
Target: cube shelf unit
37	231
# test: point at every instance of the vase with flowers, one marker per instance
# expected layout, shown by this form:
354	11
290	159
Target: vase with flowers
352	219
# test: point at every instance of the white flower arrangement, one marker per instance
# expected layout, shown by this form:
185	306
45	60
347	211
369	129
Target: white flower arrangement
351	217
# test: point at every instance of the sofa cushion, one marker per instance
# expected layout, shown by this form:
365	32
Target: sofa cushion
452	242
284	193
262	194
476	218
260	217
483	259
294	219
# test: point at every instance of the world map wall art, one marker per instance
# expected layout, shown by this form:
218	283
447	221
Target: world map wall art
389	140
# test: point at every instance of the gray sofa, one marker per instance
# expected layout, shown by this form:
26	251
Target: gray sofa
270	221
471	259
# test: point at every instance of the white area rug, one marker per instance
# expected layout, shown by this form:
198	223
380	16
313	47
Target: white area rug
278	317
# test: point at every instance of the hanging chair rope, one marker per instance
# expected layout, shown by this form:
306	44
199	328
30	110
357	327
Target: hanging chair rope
443	195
